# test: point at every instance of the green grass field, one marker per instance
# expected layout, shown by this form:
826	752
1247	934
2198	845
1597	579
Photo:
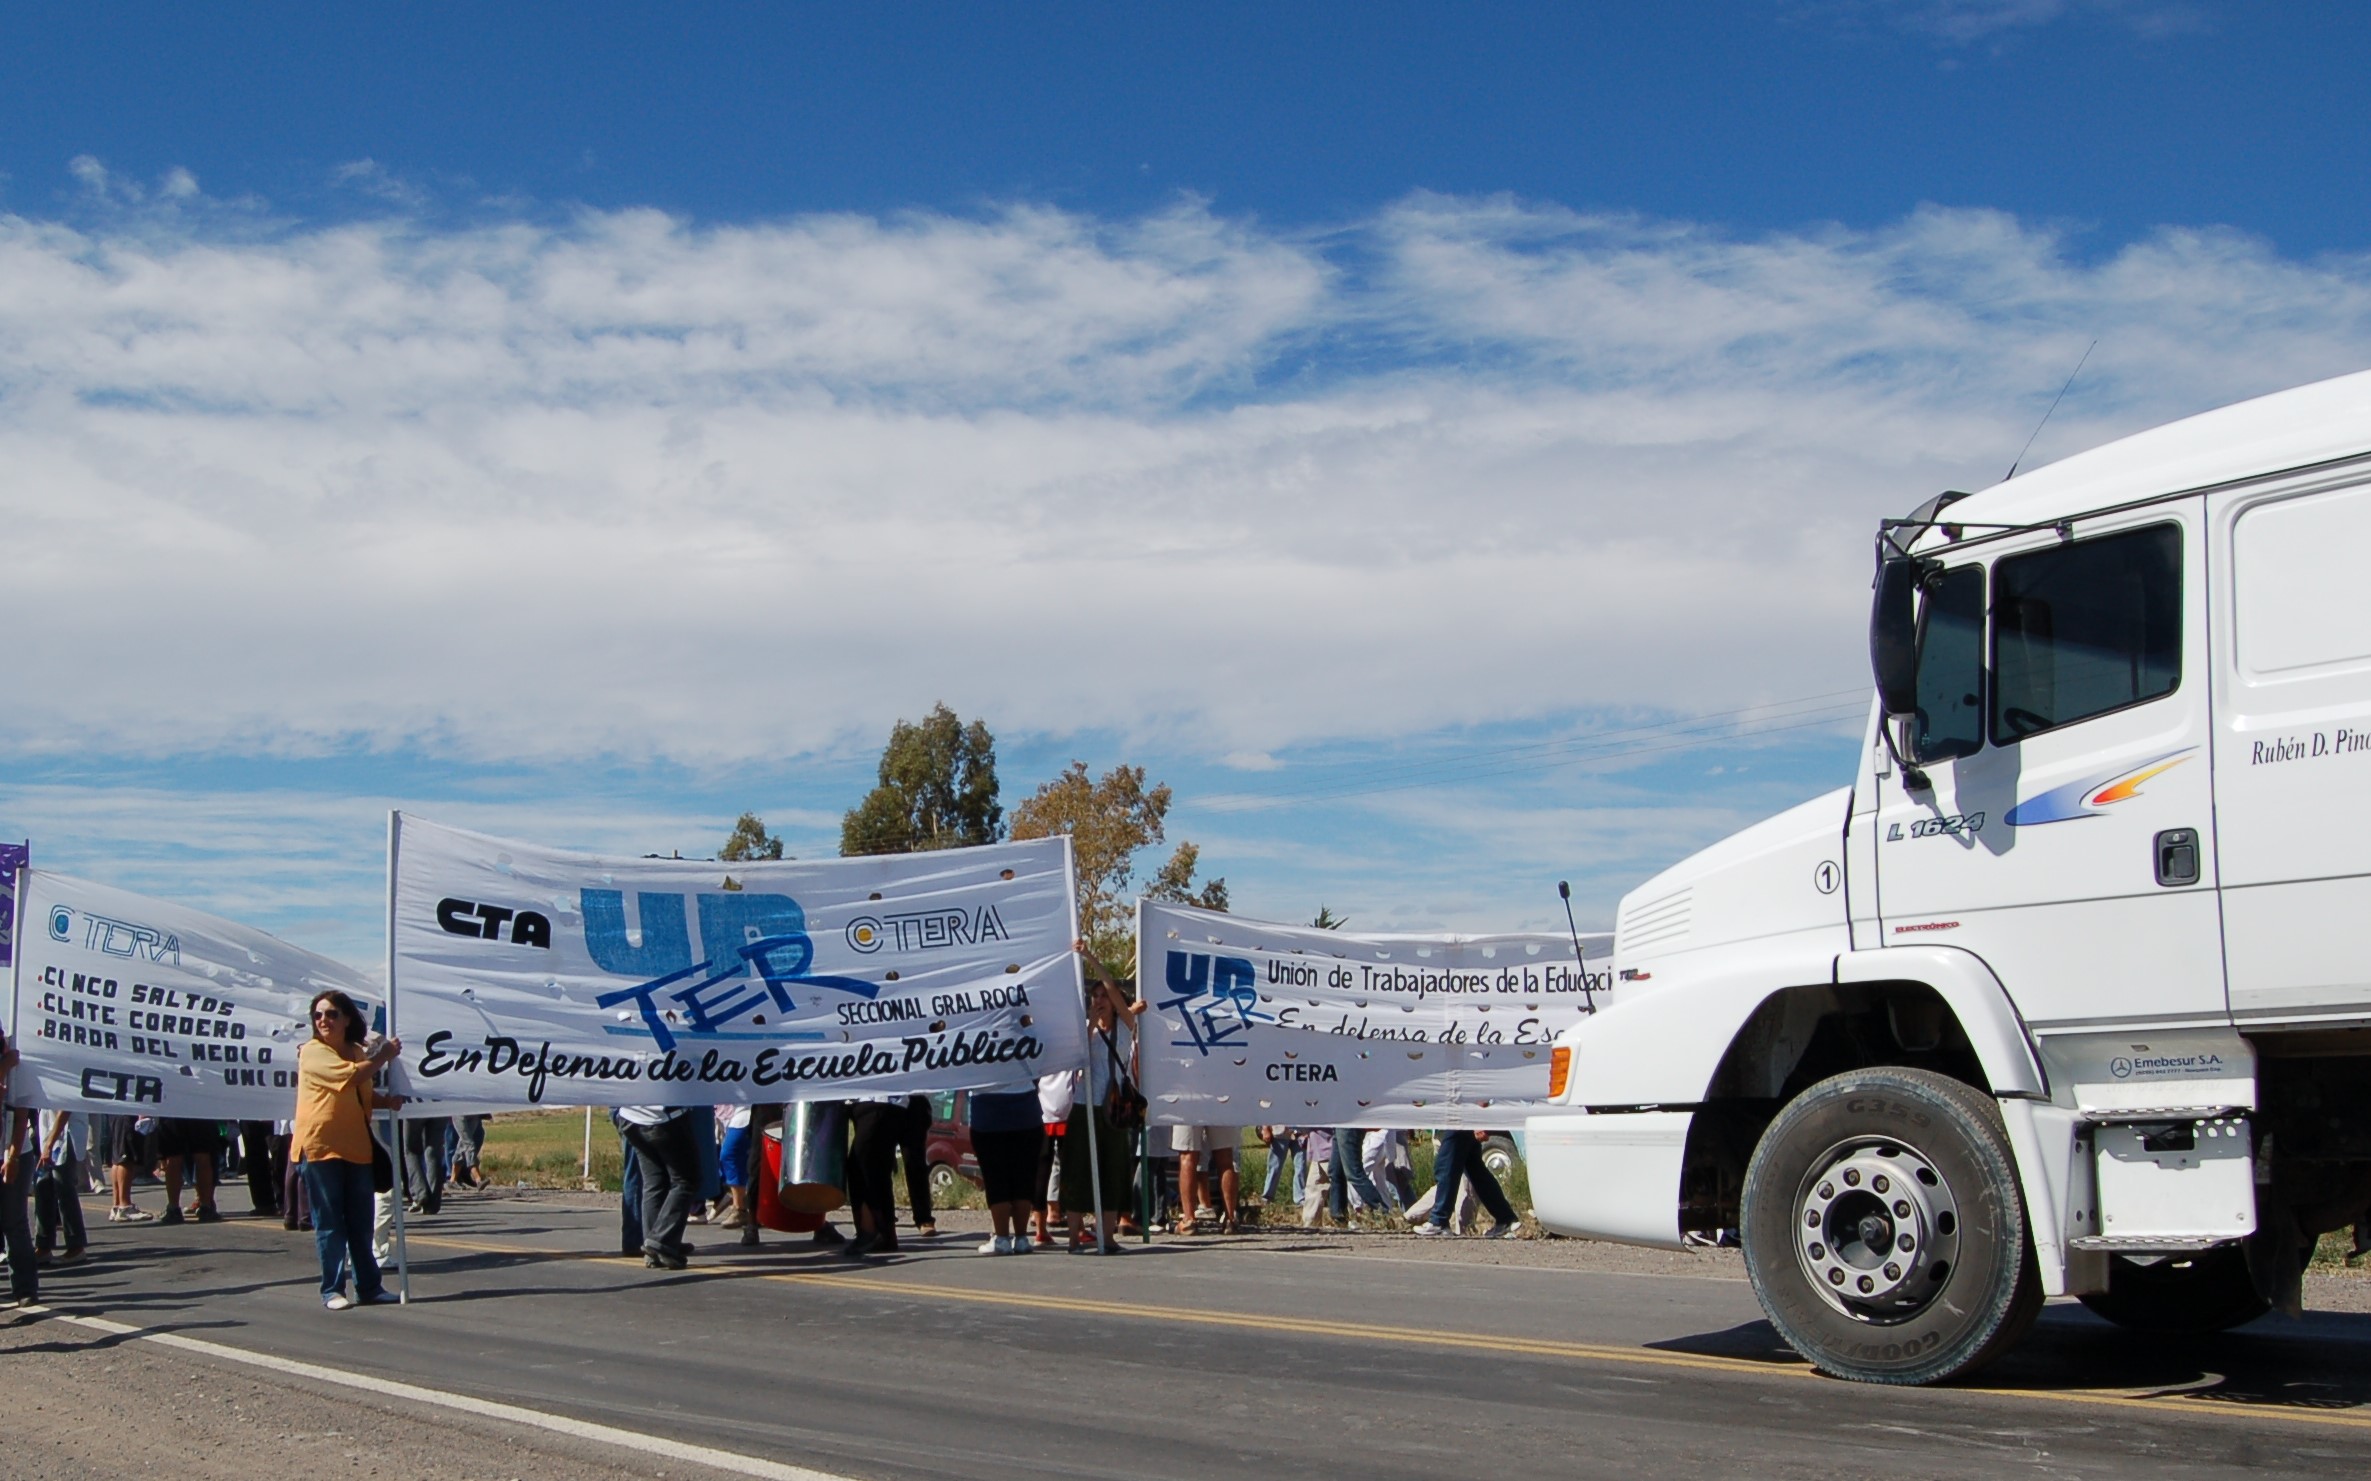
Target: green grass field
545	1149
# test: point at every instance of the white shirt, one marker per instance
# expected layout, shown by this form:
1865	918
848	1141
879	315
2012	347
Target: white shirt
68	1144
1056	1094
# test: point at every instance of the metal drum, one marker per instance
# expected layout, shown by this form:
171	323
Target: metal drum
815	1158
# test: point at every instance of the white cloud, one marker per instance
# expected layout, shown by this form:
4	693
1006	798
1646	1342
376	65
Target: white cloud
629	485
1972	22
369	177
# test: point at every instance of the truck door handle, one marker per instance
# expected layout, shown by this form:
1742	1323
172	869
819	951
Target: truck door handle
2177	856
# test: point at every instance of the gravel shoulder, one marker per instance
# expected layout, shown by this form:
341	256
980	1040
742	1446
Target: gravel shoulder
84	1403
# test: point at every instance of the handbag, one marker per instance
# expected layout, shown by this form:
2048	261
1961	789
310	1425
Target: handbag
1123	1105
382	1168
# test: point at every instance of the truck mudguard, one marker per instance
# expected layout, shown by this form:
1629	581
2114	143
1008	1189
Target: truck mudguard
1966	985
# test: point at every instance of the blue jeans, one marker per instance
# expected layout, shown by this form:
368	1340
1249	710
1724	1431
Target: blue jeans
1460	1156
711	1186
340	1194
1349	1173
629	1196
1281	1154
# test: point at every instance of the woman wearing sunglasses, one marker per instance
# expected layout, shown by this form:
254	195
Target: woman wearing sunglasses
334	1099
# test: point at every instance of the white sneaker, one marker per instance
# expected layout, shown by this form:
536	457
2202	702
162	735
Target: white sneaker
1430	1228
996	1246
1022	1245
338	1301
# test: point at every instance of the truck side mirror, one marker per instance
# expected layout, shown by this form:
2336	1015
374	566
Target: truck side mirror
1893	636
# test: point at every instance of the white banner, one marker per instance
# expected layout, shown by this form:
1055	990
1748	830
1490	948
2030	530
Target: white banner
128	1005
1258	1024
523	975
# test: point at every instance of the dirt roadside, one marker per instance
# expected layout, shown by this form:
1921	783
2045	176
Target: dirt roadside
65	1389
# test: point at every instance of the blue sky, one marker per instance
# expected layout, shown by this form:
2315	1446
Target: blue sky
1441	442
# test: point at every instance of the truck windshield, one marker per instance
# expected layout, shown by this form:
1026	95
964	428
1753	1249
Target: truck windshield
2082	629
1950	714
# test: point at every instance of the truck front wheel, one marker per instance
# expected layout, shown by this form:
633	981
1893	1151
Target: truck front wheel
2181	1295
1884	1231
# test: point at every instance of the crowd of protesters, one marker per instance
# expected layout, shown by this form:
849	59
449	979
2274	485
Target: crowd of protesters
1066	1159
1062	1160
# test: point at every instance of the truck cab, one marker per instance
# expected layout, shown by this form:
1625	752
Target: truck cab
2060	995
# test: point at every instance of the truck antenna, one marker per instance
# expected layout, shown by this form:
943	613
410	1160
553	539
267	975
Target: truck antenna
1588	993
2045	421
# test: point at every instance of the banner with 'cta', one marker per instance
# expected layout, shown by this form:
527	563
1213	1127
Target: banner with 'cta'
525	975
1256	1024
132	1006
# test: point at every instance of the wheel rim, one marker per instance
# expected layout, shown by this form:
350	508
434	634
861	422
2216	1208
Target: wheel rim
1876	1229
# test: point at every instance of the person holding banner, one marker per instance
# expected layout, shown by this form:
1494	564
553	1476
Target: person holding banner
332	1140
1006	1135
16	1188
1091	1123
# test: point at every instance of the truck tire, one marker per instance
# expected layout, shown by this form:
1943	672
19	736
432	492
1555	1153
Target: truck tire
2181	1295
1884	1231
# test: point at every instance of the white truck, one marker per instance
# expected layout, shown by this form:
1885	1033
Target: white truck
2069	993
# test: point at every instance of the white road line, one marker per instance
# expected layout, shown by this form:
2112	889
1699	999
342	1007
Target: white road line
371	1383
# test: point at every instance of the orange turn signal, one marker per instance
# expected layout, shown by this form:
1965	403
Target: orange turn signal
1559	1071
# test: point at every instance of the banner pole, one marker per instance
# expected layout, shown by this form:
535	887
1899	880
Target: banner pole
16	965
586	1175
1147	1188
403	1264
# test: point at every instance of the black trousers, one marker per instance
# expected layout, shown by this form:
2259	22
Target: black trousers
1047	1151
57	1205
263	1170
668	1162
873	1131
913	1143
16	1231
424	1161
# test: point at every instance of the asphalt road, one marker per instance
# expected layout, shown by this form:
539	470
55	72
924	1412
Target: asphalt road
1197	1358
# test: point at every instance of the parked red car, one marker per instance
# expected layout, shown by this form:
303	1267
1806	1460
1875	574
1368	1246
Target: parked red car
948	1147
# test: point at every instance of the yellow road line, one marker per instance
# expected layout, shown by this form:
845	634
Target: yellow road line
1359	1331
2194	1404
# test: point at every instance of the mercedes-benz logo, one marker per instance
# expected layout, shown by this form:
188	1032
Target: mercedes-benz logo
2120	1067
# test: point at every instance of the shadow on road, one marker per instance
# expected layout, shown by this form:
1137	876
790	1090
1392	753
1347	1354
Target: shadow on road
2316	1363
